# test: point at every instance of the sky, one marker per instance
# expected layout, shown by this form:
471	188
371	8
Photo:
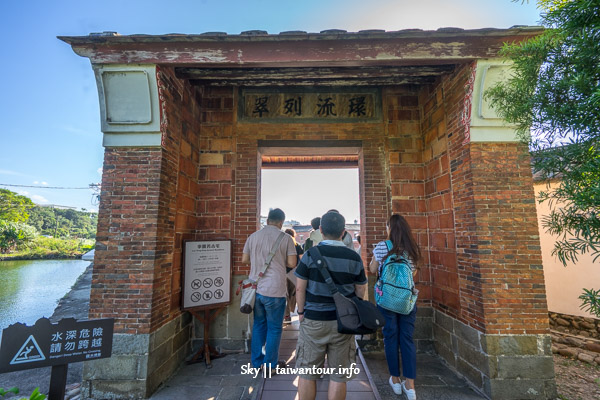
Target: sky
50	132
288	189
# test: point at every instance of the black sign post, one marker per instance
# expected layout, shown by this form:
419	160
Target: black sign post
47	344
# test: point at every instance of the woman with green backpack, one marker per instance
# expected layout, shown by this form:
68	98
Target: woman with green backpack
394	261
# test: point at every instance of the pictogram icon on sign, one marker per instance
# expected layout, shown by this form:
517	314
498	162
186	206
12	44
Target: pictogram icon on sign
207	295
219	281
196	297
208	283
218	294
196	284
29	352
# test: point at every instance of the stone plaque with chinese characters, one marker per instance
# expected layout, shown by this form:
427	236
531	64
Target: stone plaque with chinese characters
45	344
310	106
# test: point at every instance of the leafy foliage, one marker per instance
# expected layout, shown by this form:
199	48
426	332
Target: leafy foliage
36	395
14	234
64	223
22	239
590	301
14	207
14	390
553	97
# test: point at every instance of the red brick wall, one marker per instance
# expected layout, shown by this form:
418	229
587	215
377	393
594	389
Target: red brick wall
179	188
373	180
122	281
508	246
196	167
471	207
500	277
406	171
148	205
438	199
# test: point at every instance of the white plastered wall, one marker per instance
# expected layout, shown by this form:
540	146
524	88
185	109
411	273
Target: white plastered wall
129	105
564	284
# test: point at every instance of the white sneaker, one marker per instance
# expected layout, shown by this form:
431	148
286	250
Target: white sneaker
410	393
396	387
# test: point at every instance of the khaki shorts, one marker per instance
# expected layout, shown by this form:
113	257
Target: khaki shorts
320	338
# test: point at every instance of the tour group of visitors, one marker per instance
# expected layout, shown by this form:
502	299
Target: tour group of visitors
277	298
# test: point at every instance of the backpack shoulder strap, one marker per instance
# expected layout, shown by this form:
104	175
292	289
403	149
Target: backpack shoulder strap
315	254
271	255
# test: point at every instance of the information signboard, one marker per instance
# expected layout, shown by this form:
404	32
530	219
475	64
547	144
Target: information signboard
47	344
206	274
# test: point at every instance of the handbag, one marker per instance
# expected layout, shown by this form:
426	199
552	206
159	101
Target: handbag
355	316
395	288
248	286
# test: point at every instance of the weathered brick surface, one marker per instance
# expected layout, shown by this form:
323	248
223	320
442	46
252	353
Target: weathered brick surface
374	196
500	277
123	277
406	171
470	206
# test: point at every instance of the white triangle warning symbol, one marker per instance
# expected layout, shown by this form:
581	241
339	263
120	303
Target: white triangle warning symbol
29	352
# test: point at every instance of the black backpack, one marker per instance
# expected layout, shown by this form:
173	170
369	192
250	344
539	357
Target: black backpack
354	315
308	244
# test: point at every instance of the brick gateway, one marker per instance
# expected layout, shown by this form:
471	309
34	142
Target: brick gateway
186	129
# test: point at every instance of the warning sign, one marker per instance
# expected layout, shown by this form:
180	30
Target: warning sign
29	352
206	274
45	344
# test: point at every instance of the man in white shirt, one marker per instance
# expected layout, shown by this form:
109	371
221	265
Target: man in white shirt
269	306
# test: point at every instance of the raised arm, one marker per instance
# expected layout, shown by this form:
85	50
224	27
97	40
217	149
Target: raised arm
373	265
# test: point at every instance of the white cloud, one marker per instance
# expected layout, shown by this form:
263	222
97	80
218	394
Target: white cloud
23	192
36	182
39	199
45	183
99	170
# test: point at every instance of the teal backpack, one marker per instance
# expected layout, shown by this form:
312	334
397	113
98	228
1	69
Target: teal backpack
395	289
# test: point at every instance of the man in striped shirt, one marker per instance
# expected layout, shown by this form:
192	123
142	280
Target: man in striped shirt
318	323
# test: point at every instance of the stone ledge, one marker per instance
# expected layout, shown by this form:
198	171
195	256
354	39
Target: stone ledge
573	324
576	347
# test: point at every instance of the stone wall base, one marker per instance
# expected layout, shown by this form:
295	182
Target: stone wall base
575	325
498	366
423	335
139	363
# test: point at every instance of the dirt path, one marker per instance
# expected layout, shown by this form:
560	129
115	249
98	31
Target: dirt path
576	380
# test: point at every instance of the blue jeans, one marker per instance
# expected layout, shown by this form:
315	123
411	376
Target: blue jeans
398	332
266	331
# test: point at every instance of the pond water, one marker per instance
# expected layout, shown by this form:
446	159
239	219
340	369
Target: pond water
31	289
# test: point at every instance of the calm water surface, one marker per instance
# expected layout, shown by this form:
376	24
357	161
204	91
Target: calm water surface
30	290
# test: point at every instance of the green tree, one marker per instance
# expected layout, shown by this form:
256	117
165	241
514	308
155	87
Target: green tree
59	222
14	234
14	207
553	97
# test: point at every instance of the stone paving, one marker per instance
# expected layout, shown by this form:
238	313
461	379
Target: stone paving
435	381
224	380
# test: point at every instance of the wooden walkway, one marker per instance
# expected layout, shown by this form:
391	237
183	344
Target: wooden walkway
285	387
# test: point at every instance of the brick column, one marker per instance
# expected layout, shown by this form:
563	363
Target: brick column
146	207
497	334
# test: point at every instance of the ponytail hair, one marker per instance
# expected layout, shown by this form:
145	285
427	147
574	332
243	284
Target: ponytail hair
402	239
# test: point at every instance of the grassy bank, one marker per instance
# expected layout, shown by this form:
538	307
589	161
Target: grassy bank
42	248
